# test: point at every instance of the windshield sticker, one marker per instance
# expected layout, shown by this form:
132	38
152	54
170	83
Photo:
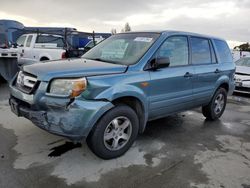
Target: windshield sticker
143	39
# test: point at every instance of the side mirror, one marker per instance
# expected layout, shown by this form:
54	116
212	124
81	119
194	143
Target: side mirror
160	62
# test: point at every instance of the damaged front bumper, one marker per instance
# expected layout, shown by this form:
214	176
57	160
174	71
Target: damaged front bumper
73	120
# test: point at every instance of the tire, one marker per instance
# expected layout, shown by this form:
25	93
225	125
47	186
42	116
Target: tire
121	126
217	105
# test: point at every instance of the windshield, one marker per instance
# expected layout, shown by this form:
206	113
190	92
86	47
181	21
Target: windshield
125	49
243	62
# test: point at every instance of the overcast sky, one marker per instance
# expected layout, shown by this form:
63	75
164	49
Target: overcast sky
229	19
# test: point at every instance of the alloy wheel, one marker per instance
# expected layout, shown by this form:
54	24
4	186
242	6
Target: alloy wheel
117	133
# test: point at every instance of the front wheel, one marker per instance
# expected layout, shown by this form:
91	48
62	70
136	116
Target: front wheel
114	133
217	105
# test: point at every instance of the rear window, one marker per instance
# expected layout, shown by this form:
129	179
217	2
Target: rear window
223	50
50	39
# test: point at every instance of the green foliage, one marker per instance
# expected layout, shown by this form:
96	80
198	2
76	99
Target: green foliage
243	47
127	27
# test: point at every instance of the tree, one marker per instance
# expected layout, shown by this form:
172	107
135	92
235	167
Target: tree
243	47
113	31
127	27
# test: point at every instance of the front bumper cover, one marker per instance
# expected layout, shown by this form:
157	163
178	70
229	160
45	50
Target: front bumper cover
74	122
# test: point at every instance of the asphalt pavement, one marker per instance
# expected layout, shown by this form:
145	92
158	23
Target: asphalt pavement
183	150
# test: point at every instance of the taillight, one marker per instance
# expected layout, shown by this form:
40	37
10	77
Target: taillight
64	55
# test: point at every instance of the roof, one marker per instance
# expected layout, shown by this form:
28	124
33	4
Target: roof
173	32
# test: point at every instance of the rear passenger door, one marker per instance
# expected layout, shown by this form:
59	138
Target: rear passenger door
206	69
171	87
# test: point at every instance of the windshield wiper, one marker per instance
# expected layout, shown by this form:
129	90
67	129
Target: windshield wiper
103	60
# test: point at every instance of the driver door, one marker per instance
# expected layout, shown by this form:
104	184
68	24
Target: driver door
172	87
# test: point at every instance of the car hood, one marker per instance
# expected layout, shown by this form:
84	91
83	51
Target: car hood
77	67
243	70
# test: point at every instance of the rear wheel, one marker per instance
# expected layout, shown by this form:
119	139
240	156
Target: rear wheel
217	105
114	133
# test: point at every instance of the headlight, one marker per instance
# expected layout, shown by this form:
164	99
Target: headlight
68	87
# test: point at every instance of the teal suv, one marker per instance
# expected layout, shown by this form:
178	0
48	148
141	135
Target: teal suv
107	96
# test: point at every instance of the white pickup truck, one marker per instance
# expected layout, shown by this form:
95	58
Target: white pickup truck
35	47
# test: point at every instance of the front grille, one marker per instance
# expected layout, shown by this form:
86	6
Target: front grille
246	89
4	54
26	82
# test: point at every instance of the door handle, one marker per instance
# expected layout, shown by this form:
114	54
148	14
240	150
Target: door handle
217	71
188	75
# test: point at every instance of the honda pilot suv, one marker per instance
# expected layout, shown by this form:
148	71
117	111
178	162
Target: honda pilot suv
107	96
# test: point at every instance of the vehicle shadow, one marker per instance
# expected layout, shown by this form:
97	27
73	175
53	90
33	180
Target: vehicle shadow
241	95
61	149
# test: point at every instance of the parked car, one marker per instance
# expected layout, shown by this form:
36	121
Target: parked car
109	95
242	75
33	48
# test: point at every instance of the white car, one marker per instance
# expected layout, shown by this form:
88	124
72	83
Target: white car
35	47
242	75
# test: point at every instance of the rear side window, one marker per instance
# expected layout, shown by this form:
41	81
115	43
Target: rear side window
50	39
176	49
200	49
29	39
223	50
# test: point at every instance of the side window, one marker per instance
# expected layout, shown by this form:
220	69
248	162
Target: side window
223	50
57	41
29	39
20	40
214	59
176	49
200	50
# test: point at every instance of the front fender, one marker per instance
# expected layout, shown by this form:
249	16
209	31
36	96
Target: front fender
116	86
120	91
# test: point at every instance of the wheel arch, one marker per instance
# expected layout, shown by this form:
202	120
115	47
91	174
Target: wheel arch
223	82
44	58
224	85
137	105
